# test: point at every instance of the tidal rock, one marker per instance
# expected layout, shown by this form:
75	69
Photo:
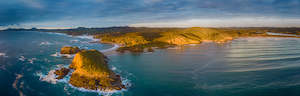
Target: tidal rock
150	50
61	73
91	71
69	50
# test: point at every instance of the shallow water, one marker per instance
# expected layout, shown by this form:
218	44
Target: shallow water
244	67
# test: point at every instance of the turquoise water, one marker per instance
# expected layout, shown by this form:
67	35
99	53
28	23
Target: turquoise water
243	67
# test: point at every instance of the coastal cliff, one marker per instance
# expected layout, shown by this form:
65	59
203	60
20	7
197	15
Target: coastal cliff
91	71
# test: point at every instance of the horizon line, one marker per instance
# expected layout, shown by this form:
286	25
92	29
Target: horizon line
63	28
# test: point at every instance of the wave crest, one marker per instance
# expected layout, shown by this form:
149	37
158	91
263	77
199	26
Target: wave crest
3	55
57	54
50	77
45	43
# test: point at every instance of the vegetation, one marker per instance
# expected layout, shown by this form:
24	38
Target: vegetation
148	38
92	72
91	62
140	39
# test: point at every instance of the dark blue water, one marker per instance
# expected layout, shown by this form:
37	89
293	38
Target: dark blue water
244	67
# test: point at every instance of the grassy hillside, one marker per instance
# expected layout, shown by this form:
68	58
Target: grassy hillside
138	41
91	62
92	72
134	38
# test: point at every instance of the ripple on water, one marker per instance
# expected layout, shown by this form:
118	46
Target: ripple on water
256	54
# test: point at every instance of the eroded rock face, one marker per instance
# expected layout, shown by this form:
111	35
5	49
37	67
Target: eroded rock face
92	72
69	50
61	73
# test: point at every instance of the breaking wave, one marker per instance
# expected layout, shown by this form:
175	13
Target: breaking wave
45	43
57	54
50	77
31	61
116	46
22	58
87	37
62	34
3	55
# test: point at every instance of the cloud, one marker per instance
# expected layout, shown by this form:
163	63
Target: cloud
229	22
100	13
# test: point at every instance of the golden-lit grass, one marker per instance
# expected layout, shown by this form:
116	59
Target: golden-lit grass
92	72
129	39
138	41
194	36
90	62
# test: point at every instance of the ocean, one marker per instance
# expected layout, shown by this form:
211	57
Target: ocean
243	67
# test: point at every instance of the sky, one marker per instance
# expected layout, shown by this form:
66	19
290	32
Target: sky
149	13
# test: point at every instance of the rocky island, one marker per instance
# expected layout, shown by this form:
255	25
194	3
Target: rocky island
62	72
69	50
91	71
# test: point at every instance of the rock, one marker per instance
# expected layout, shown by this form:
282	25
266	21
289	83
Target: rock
91	71
150	50
69	50
61	73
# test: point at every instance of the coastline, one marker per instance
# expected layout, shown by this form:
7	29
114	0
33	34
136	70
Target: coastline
50	77
111	50
93	40
116	46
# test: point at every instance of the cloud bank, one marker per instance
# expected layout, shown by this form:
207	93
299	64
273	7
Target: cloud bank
103	13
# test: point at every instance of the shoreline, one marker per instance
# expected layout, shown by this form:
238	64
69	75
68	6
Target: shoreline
50	76
116	46
110	50
93	39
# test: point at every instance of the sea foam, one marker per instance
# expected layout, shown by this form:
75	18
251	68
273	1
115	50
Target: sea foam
111	49
87	37
45	43
32	60
50	77
57	54
3	55
22	58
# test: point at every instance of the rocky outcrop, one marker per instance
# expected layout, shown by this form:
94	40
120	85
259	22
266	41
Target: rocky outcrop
61	73
69	50
91	71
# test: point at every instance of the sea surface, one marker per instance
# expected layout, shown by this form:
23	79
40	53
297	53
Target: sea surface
242	67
